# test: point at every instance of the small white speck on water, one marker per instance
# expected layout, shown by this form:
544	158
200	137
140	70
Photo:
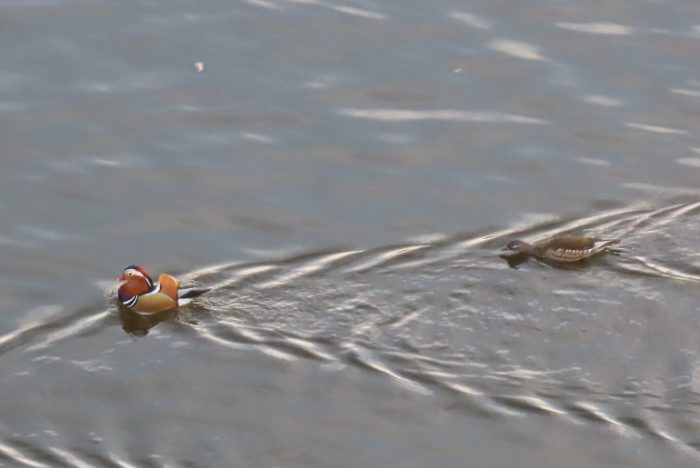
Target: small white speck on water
199	66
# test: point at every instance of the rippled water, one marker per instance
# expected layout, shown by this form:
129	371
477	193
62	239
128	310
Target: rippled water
343	176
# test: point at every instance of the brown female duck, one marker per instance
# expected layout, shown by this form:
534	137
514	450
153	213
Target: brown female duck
562	249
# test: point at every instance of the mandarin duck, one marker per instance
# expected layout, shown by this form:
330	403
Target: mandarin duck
562	249
140	294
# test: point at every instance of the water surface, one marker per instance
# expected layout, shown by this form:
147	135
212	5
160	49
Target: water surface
343	176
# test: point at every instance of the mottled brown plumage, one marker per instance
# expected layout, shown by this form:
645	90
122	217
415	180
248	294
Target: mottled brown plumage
563	249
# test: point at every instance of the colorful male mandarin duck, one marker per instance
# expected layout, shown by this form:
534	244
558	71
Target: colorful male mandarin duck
140	294
562	249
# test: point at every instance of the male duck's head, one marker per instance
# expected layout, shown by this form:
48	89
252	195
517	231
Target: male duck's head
136	273
135	280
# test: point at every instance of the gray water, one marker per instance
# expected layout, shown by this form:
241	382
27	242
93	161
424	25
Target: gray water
343	175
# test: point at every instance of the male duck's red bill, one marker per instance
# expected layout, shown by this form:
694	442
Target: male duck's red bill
140	294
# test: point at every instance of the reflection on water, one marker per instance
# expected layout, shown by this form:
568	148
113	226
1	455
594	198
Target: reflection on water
603	29
395	115
347	173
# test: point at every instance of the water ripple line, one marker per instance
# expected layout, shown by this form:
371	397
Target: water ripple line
12	453
316	265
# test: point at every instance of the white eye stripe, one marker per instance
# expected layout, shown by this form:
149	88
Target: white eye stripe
133	272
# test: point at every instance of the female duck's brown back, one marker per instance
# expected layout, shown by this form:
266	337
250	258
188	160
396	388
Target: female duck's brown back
571	249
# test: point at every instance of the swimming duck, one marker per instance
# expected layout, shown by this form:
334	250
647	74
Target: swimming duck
562	249
140	294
